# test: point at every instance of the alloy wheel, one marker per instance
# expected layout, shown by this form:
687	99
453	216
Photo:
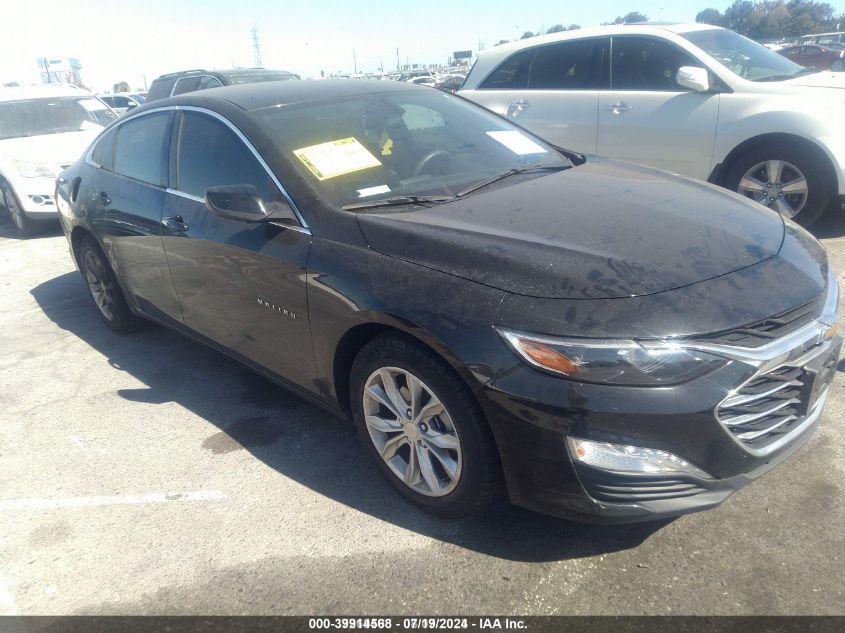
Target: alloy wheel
412	431
101	288
14	209
777	184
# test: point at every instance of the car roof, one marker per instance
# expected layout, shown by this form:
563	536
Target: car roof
645	28
255	96
46	91
228	72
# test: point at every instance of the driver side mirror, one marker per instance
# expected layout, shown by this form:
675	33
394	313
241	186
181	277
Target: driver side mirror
693	78
243	203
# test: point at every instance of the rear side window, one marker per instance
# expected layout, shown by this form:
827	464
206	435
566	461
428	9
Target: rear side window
142	147
207	81
186	84
512	74
211	155
103	154
644	63
160	88
573	65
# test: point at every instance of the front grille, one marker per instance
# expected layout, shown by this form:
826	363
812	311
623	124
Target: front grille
765	331
772	404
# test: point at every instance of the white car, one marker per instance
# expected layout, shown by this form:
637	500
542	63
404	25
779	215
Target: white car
42	130
693	99
122	102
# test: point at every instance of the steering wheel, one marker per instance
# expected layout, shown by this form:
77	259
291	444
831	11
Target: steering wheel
425	160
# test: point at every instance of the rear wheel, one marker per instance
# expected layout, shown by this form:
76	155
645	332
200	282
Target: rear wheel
23	223
105	291
423	427
794	181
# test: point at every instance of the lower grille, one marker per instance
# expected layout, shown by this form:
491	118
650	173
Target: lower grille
774	403
616	487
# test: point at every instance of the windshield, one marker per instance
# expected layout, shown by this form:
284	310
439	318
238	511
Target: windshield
740	55
405	143
35	117
139	98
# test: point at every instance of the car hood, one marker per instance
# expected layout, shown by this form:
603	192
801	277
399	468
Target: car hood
824	79
56	149
602	230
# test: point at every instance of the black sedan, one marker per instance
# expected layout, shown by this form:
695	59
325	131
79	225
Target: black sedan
593	339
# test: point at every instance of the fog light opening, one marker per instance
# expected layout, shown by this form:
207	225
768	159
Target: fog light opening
621	458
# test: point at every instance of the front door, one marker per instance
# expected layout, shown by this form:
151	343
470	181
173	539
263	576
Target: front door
647	117
241	285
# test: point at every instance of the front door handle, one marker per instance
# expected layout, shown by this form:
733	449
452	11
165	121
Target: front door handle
618	107
175	223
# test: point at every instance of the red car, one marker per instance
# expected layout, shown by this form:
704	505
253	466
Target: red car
822	56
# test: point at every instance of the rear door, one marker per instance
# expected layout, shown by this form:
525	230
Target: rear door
647	117
124	198
241	285
552	90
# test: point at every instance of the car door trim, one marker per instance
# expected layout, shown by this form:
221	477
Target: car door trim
231	126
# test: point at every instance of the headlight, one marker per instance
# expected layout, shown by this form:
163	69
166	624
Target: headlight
618	362
31	169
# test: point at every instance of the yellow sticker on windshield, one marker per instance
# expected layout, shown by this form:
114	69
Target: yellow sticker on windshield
336	158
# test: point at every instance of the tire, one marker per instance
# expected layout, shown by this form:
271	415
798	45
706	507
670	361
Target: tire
24	225
104	289
838	65
477	479
815	169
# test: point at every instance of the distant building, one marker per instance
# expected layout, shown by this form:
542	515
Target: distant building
62	70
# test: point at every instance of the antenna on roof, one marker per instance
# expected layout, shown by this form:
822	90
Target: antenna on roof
256	45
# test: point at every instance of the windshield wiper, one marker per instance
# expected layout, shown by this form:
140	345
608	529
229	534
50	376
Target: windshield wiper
804	71
508	173
395	201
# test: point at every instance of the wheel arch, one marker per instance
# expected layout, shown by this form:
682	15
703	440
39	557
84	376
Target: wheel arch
354	338
721	170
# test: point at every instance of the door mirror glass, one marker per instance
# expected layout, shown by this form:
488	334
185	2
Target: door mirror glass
693	78
244	203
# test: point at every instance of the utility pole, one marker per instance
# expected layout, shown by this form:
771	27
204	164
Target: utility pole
397	60
256	45
354	62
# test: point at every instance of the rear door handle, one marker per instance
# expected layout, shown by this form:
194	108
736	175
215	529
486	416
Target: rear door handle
618	107
517	106
175	223
102	198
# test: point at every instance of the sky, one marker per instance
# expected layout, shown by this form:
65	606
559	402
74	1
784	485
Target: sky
119	40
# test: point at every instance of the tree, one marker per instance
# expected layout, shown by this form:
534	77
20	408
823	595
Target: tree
573	27
121	87
710	16
631	17
557	28
526	35
500	42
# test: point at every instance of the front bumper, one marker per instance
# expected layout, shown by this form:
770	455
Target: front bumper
532	413
36	197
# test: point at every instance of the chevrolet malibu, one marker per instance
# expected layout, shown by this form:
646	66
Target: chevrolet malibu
499	316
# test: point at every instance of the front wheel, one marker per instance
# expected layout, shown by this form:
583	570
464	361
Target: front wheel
794	181
423	427
23	223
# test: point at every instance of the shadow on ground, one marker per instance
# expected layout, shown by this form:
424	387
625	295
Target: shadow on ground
303	442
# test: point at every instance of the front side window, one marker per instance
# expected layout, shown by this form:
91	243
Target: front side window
573	65
744	57
185	84
645	63
512	74
405	143
211	155
37	117
141	148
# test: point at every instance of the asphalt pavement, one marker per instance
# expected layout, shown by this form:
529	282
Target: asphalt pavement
147	474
